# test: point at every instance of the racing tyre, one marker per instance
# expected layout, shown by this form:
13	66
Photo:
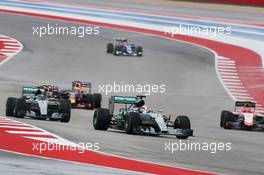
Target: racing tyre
139	51
89	101
223	118
109	48
116	50
65	110
101	119
226	119
132	123
20	109
10	106
182	122
97	98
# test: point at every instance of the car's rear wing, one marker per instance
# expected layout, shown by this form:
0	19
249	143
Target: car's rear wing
126	99
32	91
54	88
82	83
243	103
48	87
78	85
122	100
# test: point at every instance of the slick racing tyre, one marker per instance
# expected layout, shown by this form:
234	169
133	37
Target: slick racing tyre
65	110
227	118
182	122
101	119
109	48
97	98
132	123
223	118
139	51
117	50
20	109
10	106
89	101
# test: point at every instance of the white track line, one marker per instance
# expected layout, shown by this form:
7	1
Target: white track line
8	121
228	73
226	70
11	47
235	87
230	76
233	83
237	90
244	97
226	66
11	44
6	40
224	58
9	53
35	131
231	80
226	61
17	127
240	93
7	50
27	132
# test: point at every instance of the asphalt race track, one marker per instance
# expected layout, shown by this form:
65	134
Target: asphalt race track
20	164
192	89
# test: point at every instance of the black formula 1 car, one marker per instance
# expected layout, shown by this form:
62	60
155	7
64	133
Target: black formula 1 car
35	104
244	117
80	96
135	118
122	47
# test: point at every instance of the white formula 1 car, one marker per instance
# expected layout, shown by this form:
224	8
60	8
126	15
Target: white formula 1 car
35	104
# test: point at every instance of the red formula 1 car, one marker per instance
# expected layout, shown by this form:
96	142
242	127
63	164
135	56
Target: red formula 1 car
244	117
80	96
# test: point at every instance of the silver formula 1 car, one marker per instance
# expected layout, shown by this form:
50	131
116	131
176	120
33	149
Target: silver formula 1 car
123	47
35	104
244	117
135	118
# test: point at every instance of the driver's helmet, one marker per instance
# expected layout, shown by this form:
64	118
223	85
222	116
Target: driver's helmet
77	86
139	103
38	92
124	41
246	108
143	109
